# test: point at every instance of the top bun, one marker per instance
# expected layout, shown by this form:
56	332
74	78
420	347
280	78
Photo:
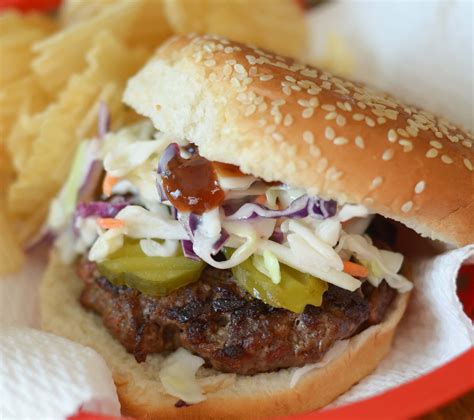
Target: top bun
282	120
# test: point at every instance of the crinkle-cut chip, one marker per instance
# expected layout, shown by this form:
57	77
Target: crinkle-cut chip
12	20
277	25
6	171
74	11
42	175
150	27
17	34
24	96
64	53
11	254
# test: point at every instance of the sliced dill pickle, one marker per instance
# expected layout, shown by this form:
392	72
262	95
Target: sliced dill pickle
294	292
156	276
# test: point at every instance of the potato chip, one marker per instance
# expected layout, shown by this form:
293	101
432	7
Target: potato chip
18	98
11	254
17	34
274	24
42	175
150	27
63	54
74	11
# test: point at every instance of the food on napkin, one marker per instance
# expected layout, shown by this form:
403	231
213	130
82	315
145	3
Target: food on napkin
248	229
61	68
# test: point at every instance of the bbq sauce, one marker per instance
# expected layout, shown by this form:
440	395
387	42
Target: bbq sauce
192	185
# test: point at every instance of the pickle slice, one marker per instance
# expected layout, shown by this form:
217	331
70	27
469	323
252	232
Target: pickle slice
156	276
294	292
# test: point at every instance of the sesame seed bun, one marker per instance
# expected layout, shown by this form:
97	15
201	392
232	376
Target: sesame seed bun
285	121
228	396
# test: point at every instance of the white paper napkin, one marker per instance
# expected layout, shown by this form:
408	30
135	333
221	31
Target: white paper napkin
43	376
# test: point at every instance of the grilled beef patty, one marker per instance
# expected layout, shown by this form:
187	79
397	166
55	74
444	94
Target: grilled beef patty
217	320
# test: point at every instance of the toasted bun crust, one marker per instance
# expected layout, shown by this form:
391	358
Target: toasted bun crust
228	396
285	121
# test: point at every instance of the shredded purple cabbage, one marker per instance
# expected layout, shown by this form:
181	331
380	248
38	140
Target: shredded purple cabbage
45	238
89	185
169	153
103	120
219	244
188	252
301	207
103	209
277	236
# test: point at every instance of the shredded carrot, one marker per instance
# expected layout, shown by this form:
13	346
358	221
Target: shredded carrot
109	182
261	199
109	223
355	269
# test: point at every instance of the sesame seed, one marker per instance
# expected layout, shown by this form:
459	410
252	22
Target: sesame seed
446	159
330	116
235	82
361	105
262	107
420	187
239	68
340	141
286	90
329	133
277	117
270	129
381	120
436	144
308	137
413	131
407	145
321	165
288	120
250	110
295	87
307	112
290	79
359	141
407	206
392	135
403	132
432	153
388	154
210	63
278	136
278	102
314	102
333	174
313	91
370	122
376	182
439	134
348	106
391	114
326	85
314	151
266	77
228	50
468	164
251	59
328	107
227	70
467	143
340	120
303	102
309	73
341	106
358	117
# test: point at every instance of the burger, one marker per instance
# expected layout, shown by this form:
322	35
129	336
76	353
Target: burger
234	254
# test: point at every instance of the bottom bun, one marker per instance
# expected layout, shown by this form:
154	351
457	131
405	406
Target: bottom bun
229	396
